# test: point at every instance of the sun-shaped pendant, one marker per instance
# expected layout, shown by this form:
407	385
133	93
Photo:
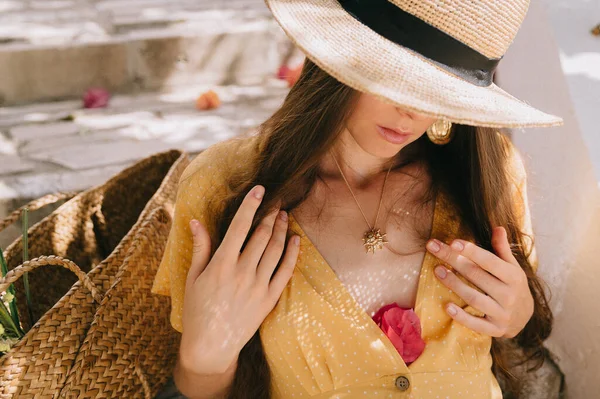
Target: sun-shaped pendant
374	239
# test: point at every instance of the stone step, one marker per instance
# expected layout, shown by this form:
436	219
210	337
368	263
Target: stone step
68	21
54	147
55	50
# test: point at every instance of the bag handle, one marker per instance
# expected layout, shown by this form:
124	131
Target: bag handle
14	274
35	205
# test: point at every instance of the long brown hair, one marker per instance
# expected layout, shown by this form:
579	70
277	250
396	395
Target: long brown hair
471	168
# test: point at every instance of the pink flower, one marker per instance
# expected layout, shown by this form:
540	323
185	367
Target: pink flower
290	74
96	98
403	328
283	72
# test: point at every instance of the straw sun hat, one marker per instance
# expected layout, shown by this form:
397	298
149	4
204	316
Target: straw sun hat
435	57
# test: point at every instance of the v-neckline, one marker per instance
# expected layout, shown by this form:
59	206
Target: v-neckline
306	242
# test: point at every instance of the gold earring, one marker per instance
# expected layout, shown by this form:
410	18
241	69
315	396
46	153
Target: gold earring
440	132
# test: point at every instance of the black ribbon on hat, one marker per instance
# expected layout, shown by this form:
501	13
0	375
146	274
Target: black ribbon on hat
409	31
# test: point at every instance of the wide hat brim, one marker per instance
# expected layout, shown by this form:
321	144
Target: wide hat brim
359	57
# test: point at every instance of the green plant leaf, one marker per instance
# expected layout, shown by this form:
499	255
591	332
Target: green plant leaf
7	322
14	312
25	259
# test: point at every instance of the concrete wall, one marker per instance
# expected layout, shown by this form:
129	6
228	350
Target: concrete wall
563	195
572	21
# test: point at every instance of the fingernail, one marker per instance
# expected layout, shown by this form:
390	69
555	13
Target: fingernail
458	246
296	240
452	310
259	192
433	246
441	271
283	215
194	226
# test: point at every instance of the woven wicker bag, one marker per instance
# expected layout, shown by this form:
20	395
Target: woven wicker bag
100	333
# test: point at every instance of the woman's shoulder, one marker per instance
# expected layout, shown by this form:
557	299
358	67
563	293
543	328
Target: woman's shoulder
218	161
204	183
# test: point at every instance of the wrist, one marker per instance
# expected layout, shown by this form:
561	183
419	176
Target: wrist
196	385
207	368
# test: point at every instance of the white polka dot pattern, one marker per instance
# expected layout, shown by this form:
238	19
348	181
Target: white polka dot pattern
202	180
318	342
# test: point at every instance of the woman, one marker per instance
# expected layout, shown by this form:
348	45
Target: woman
382	159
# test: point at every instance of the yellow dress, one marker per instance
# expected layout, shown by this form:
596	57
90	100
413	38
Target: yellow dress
318	341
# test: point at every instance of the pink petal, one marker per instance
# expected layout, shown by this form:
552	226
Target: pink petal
96	98
411	336
377	316
403	328
283	72
410	318
413	349
394	318
395	339
384	323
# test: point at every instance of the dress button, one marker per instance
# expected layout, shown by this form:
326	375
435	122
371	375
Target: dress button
402	383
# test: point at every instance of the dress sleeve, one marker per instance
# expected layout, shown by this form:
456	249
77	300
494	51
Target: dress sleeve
197	186
520	197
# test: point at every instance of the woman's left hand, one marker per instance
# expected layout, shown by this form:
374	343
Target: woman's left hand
508	305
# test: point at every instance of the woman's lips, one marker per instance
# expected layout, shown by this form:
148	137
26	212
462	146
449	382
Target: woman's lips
392	136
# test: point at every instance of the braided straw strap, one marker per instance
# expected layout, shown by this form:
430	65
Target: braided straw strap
14	274
35	205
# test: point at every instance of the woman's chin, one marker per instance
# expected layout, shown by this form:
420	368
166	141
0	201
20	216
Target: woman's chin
385	149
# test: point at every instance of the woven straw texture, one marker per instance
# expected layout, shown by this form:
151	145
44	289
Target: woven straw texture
362	59
102	334
488	26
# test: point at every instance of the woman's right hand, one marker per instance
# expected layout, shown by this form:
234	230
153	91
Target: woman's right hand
228	297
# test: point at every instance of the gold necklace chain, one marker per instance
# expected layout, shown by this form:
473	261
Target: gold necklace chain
373	238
